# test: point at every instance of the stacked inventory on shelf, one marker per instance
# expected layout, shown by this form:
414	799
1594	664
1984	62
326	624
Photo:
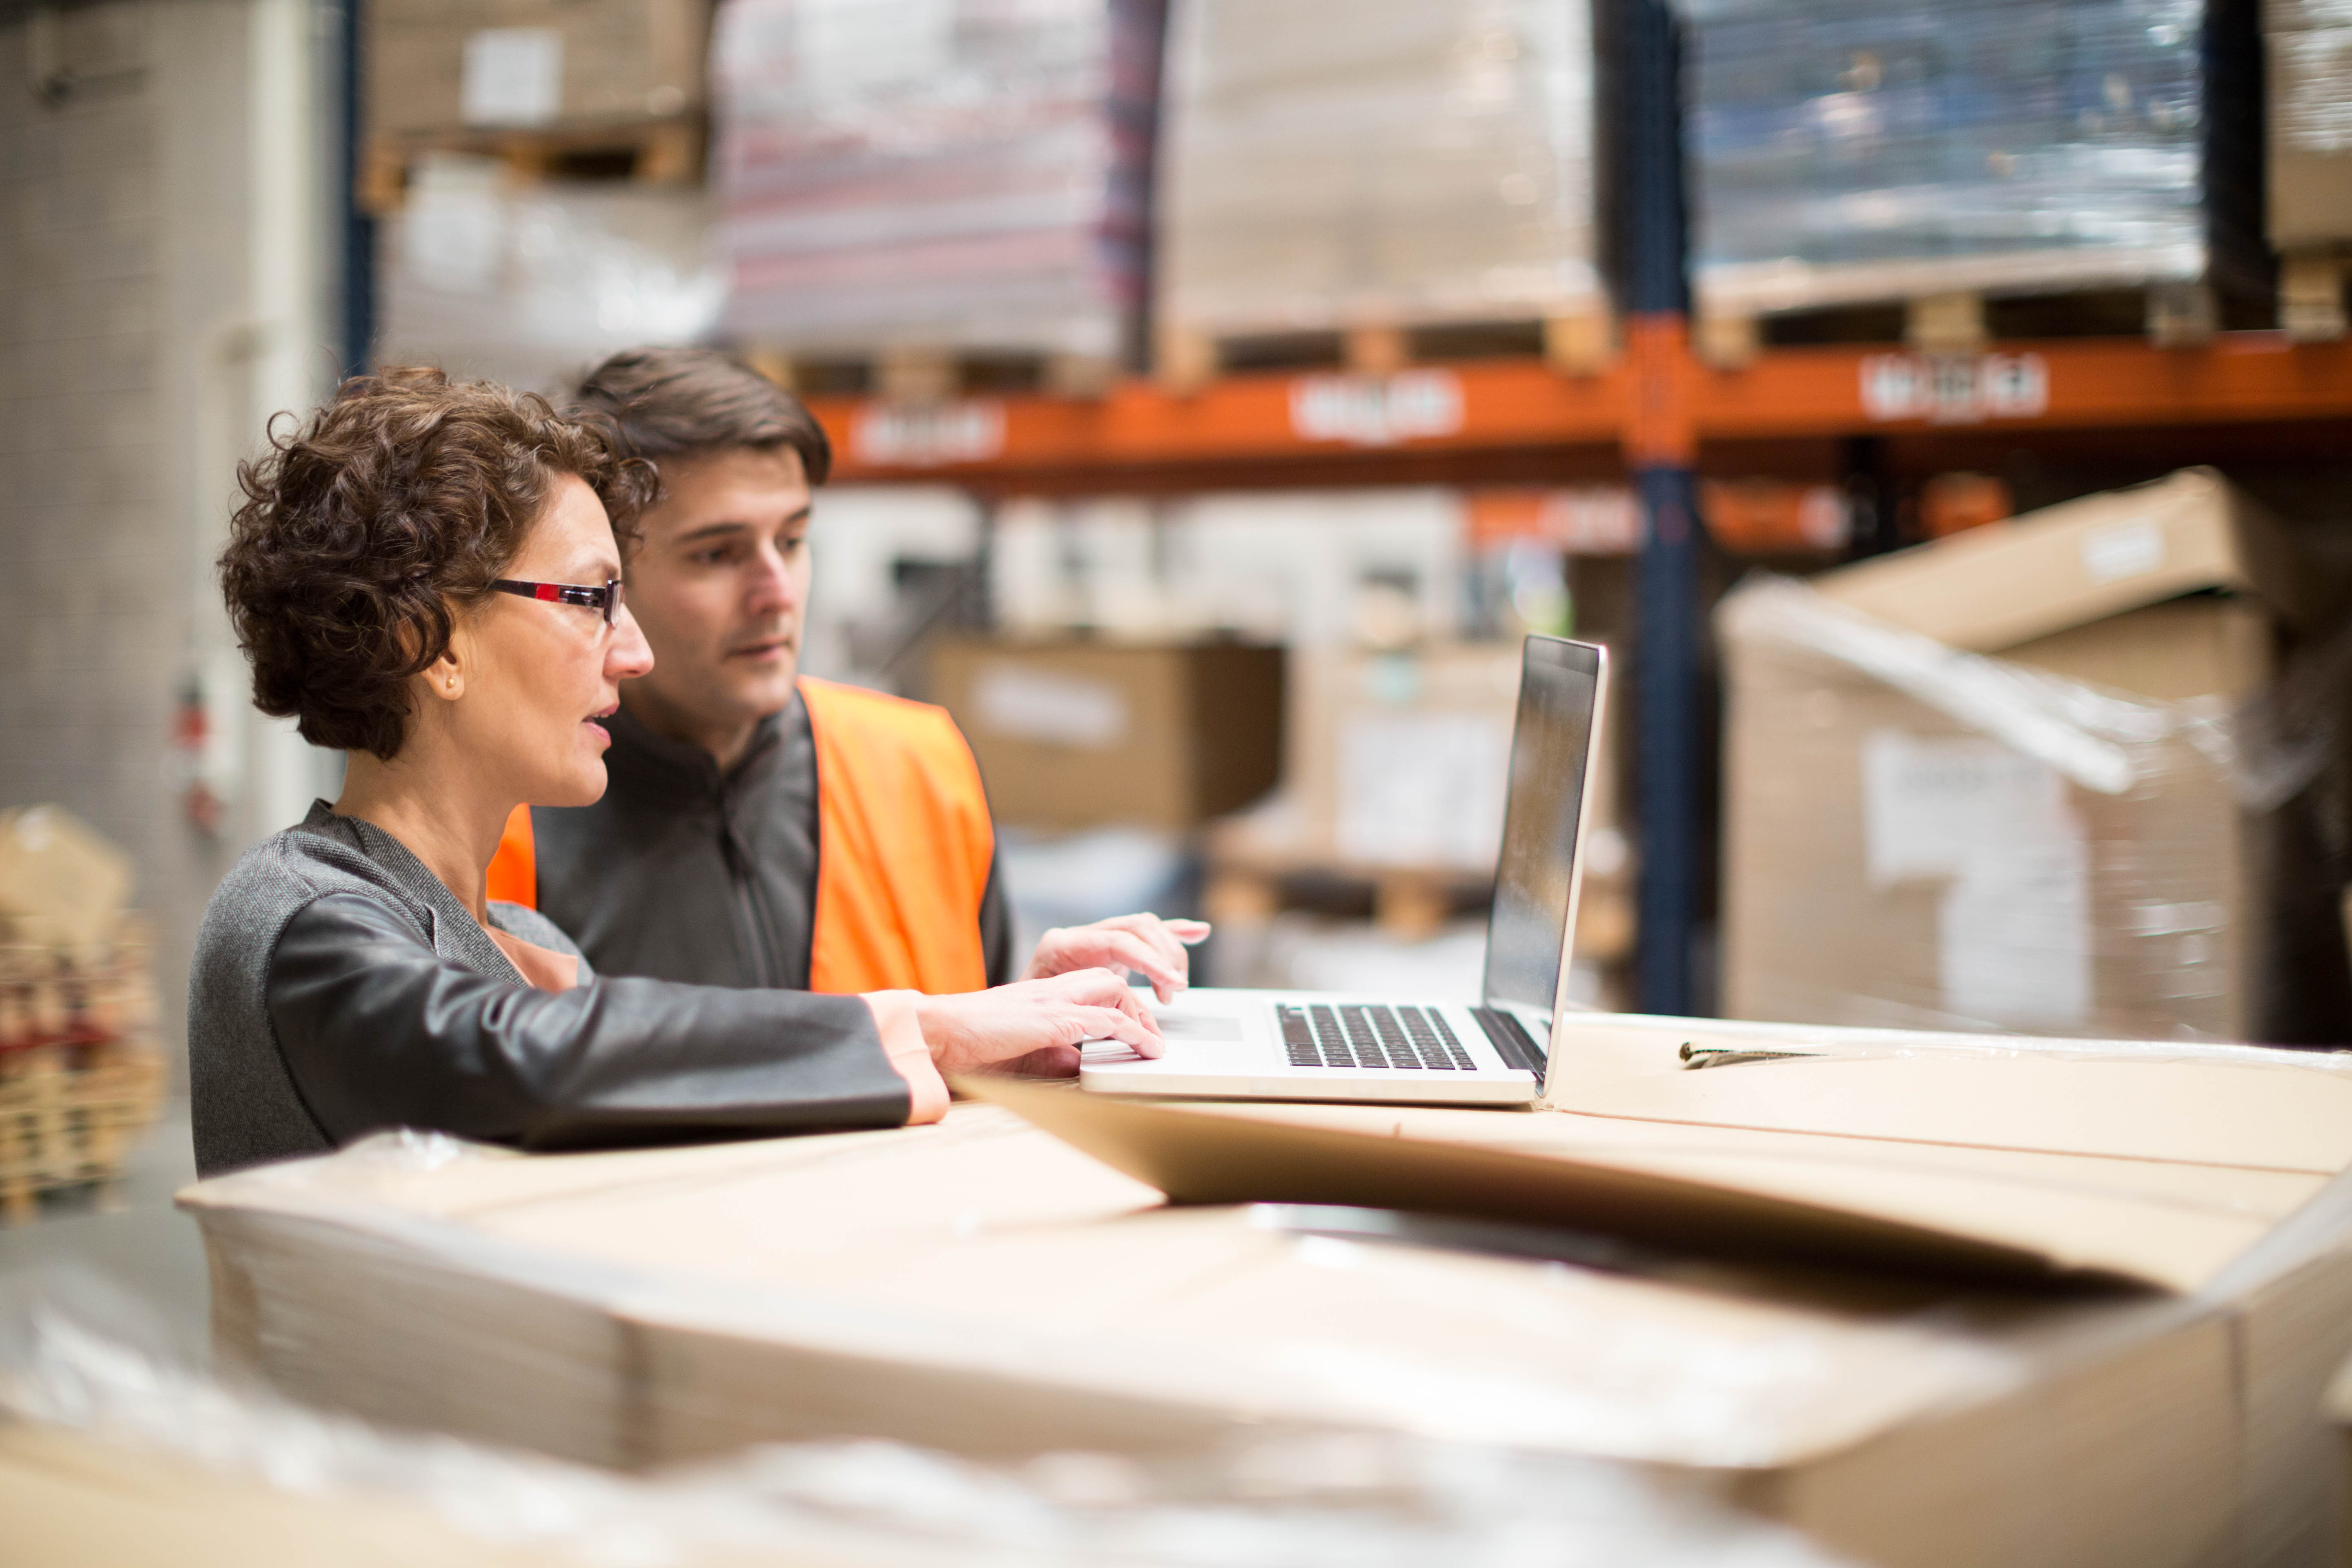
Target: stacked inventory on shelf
81	1076
538	169
1333	165
1847	152
906	174
2308	46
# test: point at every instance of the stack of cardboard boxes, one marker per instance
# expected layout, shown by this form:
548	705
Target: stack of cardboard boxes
2008	780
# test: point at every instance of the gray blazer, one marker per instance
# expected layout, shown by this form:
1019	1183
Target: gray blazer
338	988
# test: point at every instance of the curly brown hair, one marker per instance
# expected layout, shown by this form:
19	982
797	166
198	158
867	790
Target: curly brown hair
367	527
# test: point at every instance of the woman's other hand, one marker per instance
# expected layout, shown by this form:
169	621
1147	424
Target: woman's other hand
1035	1025
1147	944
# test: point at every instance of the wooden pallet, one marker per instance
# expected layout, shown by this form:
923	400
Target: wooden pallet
1187	358
2171	315
1405	902
2311	293
665	151
928	375
79	1075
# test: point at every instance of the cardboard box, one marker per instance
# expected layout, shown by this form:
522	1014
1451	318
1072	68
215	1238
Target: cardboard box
1083	735
1393	761
2307	47
452	65
983	1287
1920	837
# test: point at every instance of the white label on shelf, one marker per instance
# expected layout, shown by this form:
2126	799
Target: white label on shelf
928	435
2123	549
1955	389
1422	789
1053	708
1376	411
513	76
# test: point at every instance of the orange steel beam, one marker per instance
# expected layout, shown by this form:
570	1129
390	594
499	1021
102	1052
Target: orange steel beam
1657	397
2074	383
1467	407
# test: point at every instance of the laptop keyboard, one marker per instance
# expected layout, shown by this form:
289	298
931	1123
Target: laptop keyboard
1370	1035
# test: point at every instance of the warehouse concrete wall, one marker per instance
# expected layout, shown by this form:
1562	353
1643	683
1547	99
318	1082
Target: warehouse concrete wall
158	296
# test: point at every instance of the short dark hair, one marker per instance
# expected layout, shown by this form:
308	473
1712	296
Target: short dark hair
362	527
691	403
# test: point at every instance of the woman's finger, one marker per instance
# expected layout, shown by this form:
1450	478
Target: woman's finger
1117	1023
1187	931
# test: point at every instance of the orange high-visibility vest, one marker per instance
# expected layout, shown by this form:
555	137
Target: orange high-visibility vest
904	845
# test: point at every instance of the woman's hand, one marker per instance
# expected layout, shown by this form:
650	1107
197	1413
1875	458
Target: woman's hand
1035	1025
1150	946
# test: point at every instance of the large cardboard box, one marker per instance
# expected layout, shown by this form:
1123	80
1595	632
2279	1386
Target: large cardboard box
450	65
1074	734
1992	783
1930	1302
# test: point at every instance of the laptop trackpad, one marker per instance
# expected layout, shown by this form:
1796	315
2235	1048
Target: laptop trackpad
1200	1027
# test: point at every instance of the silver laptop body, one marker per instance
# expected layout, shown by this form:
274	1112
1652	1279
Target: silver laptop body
1297	1045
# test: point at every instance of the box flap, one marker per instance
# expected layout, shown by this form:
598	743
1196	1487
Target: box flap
1819	1206
2067	566
2185	1104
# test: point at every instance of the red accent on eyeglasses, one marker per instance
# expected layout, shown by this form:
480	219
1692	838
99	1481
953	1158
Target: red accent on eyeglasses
552	591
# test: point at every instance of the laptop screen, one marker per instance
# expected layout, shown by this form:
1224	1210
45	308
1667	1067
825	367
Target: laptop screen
1559	683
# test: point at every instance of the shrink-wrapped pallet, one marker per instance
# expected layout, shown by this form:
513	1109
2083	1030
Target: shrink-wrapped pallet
1843	151
1332	164
961	174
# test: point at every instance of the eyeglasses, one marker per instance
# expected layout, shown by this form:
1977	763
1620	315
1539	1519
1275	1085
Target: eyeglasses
606	598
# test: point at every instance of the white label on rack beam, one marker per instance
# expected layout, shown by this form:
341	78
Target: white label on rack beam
1955	389
1375	410
928	434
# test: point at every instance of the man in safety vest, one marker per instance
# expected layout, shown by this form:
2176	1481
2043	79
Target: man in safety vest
761	827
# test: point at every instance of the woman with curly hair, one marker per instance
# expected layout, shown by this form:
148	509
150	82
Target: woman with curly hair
426	576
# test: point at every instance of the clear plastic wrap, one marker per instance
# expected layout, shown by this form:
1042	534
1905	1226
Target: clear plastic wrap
1921	838
1841	150
1340	163
935	173
1352	1500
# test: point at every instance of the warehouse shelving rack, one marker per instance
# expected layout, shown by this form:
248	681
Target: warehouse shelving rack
1653	415
1656	415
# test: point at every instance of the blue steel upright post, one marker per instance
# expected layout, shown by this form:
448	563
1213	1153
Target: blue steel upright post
1660	448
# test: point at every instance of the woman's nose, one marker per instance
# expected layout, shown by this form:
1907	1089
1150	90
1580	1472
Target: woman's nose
628	655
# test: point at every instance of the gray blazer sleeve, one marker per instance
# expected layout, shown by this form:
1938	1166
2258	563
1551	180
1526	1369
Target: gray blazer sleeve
377	1031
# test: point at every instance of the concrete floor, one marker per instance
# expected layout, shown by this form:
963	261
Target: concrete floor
134	1238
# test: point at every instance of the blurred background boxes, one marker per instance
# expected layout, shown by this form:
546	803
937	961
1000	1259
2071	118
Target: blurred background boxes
81	1076
1846	154
2307	46
452	65
2056	838
1084	734
904	180
1376	166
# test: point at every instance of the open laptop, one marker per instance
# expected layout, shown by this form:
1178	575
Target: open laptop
1268	1045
